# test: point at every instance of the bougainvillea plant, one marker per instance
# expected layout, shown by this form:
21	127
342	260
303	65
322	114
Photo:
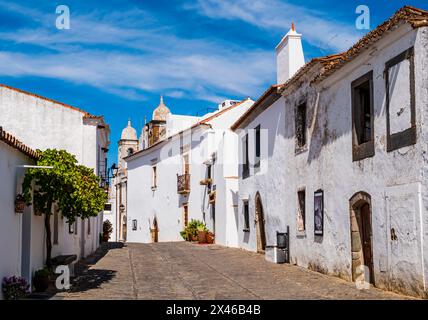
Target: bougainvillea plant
73	187
15	288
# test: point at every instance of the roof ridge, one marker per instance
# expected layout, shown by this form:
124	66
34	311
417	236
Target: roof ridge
221	111
17	144
414	16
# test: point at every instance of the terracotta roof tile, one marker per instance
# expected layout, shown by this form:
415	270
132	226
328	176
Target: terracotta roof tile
407	14
18	145
329	64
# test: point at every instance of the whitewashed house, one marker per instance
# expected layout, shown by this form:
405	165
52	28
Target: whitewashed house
42	123
167	177
344	164
21	234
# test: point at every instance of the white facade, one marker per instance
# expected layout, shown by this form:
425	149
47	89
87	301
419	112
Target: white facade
21	235
202	144
42	123
393	181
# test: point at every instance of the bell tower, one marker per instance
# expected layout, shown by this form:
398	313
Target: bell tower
128	144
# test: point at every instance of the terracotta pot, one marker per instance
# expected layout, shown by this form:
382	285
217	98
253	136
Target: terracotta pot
19	204
40	284
106	237
202	237
210	238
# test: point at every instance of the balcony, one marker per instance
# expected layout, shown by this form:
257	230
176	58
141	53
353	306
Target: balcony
183	183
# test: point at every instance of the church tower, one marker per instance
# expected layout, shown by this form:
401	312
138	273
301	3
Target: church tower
155	130
128	144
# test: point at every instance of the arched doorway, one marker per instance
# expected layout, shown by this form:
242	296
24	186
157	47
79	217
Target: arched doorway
361	237
260	225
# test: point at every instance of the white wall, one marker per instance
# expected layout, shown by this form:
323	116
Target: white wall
394	180
175	123
43	124
11	226
164	202
270	181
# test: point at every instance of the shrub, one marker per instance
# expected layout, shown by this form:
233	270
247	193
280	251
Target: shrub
15	288
192	228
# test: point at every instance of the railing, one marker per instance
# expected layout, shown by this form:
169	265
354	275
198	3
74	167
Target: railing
183	183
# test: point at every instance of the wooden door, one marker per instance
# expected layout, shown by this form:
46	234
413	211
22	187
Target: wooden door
260	225
366	239
185	214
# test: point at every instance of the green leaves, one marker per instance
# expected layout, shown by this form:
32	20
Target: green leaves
73	187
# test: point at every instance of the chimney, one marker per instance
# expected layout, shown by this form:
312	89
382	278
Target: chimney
289	56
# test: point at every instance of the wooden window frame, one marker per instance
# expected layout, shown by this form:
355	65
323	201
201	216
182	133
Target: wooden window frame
246	204
246	158
366	149
407	137
185	214
301	145
154	177
257	148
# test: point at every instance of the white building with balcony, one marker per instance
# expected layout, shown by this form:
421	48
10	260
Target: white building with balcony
167	179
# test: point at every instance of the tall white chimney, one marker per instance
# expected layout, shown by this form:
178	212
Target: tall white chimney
289	56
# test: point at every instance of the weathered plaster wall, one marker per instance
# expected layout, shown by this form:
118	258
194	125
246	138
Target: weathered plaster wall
394	179
270	181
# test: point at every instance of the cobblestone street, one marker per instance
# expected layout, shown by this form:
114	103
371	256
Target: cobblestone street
190	271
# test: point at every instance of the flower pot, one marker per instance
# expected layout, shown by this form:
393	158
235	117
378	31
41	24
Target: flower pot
106	237
202	237
40	284
19	203
210	238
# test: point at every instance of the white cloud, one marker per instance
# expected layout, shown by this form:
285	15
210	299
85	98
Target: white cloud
125	55
317	28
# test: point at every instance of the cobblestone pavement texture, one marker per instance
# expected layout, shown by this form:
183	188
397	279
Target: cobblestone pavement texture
185	270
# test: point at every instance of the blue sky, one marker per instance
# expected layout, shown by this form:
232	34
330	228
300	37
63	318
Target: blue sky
120	55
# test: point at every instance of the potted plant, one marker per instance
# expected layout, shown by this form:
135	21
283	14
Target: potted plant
202	233
107	230
19	203
210	237
190	232
184	235
41	280
15	288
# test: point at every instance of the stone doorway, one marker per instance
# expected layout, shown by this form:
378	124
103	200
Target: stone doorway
260	225
361	238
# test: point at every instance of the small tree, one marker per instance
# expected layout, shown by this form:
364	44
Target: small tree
74	188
